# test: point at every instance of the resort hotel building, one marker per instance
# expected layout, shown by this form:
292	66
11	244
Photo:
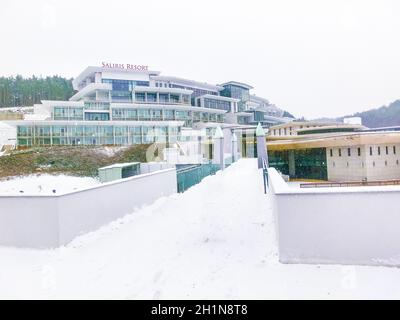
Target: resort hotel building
123	104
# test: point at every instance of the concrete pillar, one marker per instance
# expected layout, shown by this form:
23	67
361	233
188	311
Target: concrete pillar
292	165
261	145
218	154
234	147
97	77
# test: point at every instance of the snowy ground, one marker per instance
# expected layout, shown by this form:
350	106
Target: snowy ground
215	241
44	184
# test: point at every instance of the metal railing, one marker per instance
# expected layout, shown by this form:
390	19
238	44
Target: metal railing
350	184
265	174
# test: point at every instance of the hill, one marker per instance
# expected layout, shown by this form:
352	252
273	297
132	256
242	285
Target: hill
70	160
384	116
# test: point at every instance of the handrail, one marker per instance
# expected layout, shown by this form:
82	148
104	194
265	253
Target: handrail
350	184
265	174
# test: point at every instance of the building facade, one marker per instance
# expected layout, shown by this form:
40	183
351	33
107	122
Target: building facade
118	104
334	152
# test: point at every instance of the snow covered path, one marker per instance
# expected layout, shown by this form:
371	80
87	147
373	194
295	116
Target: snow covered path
215	241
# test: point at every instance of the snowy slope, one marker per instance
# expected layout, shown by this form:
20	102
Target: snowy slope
214	241
44	184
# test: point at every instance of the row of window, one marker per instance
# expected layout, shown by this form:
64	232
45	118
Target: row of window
387	148
125	85
97	105
162	114
285	131
123	140
282	130
88	130
68	113
153	97
74	113
217	104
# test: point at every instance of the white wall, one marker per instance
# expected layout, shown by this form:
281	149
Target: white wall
51	221
359	225
8	134
371	167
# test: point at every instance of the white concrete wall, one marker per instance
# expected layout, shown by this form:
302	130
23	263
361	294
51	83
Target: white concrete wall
8	134
29	221
371	167
344	167
52	221
358	225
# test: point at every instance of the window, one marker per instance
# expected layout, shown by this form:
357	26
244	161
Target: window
373	163
140	96
174	98
169	115
340	152
397	162
387	150
349	152
151	97
370	151
379	151
385	163
163	98
331	152
97	116
359	151
394	149
144	114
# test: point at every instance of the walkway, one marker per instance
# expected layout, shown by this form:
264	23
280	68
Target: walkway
215	241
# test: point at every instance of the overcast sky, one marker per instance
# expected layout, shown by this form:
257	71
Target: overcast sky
312	57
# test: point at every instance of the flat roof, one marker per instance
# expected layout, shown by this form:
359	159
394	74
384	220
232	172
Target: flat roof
187	82
120	165
222	98
238	84
93	69
332	140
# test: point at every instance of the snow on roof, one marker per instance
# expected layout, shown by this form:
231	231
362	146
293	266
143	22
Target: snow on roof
119	165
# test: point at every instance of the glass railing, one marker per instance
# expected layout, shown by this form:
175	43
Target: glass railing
190	175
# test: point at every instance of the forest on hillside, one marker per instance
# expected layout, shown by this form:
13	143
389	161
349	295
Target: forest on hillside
18	91
384	116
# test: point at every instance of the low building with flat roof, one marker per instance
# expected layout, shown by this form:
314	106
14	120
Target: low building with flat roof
337	156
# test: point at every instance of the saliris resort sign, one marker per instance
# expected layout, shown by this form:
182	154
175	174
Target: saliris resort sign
136	67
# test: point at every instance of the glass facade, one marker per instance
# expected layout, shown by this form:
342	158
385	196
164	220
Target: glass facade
125	85
237	92
68	113
137	114
97	106
97	116
94	135
308	163
217	104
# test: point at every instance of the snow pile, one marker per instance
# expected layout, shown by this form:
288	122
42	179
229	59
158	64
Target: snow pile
109	151
215	241
45	184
